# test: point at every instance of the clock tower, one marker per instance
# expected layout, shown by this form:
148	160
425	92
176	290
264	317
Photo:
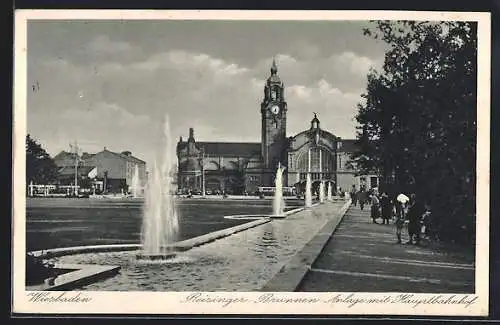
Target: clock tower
273	114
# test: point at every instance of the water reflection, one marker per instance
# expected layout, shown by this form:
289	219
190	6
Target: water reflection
244	261
267	244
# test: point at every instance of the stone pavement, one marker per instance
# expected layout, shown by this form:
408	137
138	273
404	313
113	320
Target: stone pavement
364	257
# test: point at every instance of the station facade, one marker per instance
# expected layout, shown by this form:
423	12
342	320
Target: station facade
236	167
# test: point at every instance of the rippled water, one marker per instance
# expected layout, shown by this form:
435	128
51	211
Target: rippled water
242	262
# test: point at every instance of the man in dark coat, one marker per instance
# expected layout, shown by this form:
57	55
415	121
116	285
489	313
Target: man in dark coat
414	214
386	206
362	197
354	195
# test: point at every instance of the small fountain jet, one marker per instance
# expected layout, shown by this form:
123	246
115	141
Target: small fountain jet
279	201
308	194
322	192
160	225
329	192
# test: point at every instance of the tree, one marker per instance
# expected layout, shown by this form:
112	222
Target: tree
419	116
40	167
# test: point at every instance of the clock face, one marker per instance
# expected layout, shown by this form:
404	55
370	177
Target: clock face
275	109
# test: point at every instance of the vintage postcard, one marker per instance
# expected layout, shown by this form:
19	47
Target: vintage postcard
251	162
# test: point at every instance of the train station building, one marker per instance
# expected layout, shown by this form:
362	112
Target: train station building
237	167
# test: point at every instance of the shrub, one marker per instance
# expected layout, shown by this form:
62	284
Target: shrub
37	269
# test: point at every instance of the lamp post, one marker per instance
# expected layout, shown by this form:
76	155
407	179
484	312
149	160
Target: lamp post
75	152
203	172
202	165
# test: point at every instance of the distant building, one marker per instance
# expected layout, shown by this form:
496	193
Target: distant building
236	167
66	174
108	171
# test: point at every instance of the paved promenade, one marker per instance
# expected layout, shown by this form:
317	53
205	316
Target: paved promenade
364	257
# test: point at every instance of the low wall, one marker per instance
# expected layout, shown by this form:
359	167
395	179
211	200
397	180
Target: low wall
178	246
80	275
210	237
291	274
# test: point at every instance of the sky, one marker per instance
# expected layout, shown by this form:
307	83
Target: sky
110	83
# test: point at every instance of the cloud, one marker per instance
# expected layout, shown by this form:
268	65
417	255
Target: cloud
102	44
305	50
346	70
357	65
334	107
122	104
99	116
104	125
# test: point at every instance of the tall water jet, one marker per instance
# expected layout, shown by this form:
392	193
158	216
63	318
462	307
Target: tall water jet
329	192
136	182
322	192
308	196
160	223
279	200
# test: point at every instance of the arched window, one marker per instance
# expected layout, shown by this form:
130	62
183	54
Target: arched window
321	161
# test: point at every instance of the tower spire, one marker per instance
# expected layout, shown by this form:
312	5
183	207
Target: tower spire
274	67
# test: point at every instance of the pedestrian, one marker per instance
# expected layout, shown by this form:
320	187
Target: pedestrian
400	214
362	197
414	214
400	219
386	206
369	195
375	208
427	224
354	196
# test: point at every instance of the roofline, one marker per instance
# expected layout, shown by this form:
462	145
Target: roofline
122	156
227	142
200	146
309	130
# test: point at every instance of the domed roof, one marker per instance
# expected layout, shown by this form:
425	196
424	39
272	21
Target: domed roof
315	119
315	122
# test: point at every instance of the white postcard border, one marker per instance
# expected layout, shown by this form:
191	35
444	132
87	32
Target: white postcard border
232	302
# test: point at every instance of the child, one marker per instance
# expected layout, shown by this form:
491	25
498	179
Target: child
426	222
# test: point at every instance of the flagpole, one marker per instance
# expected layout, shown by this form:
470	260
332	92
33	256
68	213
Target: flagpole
76	169
203	173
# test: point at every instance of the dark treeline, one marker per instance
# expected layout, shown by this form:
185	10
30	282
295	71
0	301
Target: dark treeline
40	167
417	123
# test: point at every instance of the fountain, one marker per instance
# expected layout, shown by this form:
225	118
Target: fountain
279	201
308	196
329	192
135	183
160	224
322	192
